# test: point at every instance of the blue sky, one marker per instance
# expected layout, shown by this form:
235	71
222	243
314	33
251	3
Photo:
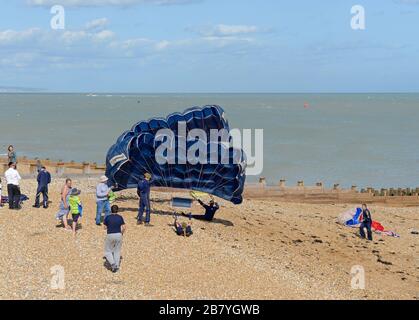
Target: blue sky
209	46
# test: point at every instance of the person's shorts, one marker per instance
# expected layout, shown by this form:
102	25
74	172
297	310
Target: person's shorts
76	217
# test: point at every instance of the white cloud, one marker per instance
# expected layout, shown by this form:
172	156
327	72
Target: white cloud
101	3
97	24
18	60
104	35
162	45
71	37
229	30
94	45
224	30
14	37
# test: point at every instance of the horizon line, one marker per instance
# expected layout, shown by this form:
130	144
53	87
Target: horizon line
214	92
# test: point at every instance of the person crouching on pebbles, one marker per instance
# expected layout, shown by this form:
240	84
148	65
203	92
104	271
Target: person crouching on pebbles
75	208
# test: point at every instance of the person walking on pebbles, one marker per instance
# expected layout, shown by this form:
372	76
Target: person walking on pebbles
102	200
115	228
143	191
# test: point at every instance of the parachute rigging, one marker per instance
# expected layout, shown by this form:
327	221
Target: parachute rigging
134	154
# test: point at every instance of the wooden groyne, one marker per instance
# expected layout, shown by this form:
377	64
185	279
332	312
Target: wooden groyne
320	194
281	192
27	167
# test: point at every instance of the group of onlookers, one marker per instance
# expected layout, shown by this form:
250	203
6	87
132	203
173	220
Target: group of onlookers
12	180
13	183
71	205
13	188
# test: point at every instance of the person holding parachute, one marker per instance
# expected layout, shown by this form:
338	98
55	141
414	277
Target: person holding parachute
161	148
210	209
143	191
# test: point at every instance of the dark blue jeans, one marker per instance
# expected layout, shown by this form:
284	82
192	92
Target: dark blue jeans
14	196
44	191
362	231
102	205
144	205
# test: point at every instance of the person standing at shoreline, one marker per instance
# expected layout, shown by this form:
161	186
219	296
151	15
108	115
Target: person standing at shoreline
62	215
143	191
13	188
11	154
38	165
44	179
102	199
366	223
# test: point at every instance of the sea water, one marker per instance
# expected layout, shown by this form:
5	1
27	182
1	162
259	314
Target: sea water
361	139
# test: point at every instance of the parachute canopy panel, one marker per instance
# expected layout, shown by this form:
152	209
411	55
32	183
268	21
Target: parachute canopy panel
134	154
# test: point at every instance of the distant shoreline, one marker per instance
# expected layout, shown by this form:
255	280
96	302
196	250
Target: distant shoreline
201	93
400	197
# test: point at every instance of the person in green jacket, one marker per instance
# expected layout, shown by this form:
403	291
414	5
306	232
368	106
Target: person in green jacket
111	197
75	207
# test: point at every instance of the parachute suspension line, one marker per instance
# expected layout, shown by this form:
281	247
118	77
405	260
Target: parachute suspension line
138	163
208	133
170	166
219	178
213	173
149	168
128	174
188	168
130	160
162	173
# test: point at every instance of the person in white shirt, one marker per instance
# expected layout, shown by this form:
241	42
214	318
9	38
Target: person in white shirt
13	189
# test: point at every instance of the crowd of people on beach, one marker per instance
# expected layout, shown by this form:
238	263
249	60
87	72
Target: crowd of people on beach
107	212
71	207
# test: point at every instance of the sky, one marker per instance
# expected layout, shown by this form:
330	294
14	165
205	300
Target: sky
192	46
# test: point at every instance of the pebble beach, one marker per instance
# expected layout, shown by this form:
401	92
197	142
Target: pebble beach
262	249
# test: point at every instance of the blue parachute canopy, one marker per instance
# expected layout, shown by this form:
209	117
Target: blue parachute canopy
140	150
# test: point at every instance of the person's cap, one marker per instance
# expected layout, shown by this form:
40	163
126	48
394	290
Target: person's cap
75	192
104	179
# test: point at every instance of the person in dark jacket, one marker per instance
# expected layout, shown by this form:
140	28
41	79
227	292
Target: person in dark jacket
44	179
210	211
143	192
366	223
